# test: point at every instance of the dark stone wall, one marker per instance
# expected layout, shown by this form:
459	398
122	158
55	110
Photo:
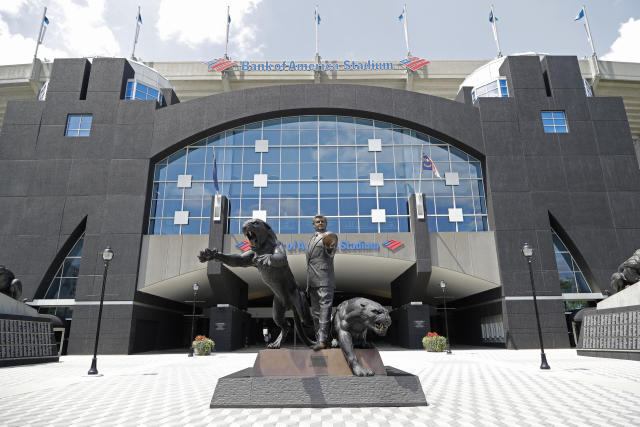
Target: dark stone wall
586	180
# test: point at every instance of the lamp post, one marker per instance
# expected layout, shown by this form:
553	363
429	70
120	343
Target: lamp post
443	286
527	251
193	317
107	256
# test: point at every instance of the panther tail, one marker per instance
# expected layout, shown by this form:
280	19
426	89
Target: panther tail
300	330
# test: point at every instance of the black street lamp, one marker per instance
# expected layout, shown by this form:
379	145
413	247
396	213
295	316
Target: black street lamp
443	285
527	251
193	317
107	256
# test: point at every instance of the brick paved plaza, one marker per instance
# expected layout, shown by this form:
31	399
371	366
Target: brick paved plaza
470	387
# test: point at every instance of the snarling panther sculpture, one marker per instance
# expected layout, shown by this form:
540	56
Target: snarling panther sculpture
269	256
628	273
351	322
9	285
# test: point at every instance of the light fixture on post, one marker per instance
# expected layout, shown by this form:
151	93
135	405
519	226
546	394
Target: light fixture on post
193	317
443	286
527	251
107	256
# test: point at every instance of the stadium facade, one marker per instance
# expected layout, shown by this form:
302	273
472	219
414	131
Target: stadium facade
115	152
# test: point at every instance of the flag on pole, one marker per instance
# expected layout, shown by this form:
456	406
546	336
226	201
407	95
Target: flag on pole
401	17
46	20
316	17
226	42
43	29
492	18
580	15
215	173
139	18
494	26
428	165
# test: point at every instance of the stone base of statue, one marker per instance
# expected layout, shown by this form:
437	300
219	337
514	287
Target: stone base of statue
613	328
316	379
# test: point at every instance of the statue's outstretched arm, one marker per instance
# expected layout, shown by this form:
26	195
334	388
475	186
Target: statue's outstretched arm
233	260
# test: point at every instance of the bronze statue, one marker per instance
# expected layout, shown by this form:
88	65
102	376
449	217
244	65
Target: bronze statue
9	285
269	256
353	319
321	279
628	273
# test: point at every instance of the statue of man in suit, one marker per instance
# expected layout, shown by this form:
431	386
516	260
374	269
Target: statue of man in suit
321	280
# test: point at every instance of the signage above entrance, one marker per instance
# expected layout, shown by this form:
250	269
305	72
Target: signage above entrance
411	63
344	245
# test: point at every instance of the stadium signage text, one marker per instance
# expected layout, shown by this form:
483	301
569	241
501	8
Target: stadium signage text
322	66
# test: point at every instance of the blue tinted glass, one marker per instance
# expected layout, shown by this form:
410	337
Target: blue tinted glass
366	226
347	171
309	189
327	154
329	206
388	189
272	135
272	206
547	115
291	123
346	136
328	171
288	226
272	124
549	129
271	191
247	206
290	138
444	225
348	225
547	122
364	189
309	171
83	133
290	171
443	204
365	169
290	155
366	205
327	137
195	191
469	224
289	189
346	154
348	206
561	129
308	207
389	205
463	188
250	155
503	83
193	227
272	170
329	189
466	204
289	207
560	122
348	189
390	226
234	226
309	137
309	122
308	154
558	115
248	190
439	153
273	156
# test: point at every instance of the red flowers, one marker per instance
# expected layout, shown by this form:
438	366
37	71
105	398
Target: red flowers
200	338
429	334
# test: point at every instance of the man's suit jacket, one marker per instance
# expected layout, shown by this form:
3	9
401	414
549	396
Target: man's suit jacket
319	264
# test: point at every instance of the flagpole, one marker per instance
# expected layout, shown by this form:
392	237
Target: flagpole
317	25
135	39
226	46
421	167
406	30
588	29
40	35
495	31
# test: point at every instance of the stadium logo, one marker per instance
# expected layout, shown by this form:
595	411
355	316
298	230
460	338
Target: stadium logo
220	64
392	245
244	245
414	63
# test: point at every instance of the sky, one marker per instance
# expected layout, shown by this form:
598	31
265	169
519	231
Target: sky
194	30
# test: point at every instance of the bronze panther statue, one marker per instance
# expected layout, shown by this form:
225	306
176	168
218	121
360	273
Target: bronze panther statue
351	322
9	285
269	256
628	273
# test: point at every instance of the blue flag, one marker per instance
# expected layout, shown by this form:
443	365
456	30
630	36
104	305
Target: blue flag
46	20
492	18
228	19
428	165
139	18
316	17
401	15
580	15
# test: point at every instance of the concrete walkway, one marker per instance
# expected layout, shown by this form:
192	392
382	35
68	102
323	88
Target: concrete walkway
474	387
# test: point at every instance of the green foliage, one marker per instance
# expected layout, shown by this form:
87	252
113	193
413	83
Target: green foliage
203	345
434	343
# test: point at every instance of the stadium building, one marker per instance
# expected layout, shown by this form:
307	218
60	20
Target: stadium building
160	160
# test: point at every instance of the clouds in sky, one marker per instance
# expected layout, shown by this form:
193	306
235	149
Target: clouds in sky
201	22
626	47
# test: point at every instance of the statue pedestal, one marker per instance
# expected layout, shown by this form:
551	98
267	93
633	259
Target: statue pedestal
322	379
627	297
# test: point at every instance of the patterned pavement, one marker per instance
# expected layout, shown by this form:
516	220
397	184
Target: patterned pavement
474	387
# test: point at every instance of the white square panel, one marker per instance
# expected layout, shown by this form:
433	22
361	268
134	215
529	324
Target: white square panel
378	215
451	178
455	215
376	179
375	145
184	181
262	145
260	180
260	215
181	218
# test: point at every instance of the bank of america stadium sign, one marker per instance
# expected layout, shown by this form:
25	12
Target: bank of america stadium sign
343	245
411	63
